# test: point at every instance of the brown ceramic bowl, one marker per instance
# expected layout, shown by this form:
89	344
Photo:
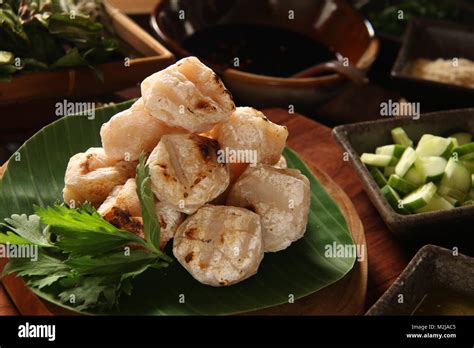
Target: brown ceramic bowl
431	269
453	225
333	23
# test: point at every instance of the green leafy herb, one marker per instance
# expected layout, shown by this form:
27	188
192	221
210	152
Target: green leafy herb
29	228
118	262
12	238
385	15
91	261
53	34
148	207
45	265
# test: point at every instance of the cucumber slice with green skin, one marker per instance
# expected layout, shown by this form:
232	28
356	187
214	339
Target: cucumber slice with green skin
378	177
415	176
378	160
400	184
467	157
400	137
468	202
456	177
435	204
431	145
389	171
469	164
406	161
432	168
462	138
419	198
452	195
470	195
393	199
454	141
464	152
394	150
451	200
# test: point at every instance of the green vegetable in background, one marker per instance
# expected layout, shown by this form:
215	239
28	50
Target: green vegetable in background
384	14
53	34
147	203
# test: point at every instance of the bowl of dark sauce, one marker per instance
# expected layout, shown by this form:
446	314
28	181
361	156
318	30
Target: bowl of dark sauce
259	46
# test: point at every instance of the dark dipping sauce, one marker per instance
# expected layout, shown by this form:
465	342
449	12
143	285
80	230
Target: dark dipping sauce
260	50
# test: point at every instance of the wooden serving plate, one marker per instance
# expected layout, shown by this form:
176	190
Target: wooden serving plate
345	297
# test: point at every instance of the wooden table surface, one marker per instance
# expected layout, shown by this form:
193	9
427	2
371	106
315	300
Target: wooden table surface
387	257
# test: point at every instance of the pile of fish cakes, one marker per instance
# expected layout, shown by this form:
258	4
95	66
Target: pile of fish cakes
223	192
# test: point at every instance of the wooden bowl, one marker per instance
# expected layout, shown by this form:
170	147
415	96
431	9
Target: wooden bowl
82	82
335	24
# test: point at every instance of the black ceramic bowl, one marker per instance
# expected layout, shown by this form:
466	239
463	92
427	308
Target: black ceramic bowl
363	137
431	39
431	270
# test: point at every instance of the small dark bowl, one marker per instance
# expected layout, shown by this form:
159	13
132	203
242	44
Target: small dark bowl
334	23
431	39
366	136
430	269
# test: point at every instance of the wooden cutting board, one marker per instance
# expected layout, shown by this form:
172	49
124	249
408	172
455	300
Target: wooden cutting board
346	297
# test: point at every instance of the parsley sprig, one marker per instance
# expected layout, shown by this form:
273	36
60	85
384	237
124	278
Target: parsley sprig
88	262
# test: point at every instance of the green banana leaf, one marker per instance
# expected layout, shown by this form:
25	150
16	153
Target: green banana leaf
35	175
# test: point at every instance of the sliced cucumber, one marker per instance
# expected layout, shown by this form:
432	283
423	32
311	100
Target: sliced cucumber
400	137
400	184
454	141
415	176
452	195
406	161
388	171
464	152
394	150
378	177
419	198
431	145
470	195
393	199
432	168
378	160
437	175
462	138
456	176
436	203
469	164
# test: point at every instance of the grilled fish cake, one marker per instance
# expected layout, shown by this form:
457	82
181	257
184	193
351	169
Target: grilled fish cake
91	176
187	95
133	131
280	196
220	245
185	173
